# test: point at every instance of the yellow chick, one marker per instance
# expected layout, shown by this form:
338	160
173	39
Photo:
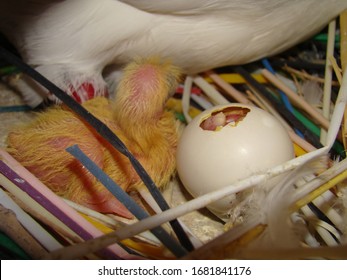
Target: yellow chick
136	116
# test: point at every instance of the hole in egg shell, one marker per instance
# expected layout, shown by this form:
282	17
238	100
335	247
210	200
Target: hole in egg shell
230	116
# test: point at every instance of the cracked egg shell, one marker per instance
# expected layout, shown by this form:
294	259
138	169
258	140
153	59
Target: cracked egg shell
215	150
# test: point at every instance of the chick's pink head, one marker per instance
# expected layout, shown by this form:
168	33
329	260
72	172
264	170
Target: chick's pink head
145	88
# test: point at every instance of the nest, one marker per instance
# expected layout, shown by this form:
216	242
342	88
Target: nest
316	204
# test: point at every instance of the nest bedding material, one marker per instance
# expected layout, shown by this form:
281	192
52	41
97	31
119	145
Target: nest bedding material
201	223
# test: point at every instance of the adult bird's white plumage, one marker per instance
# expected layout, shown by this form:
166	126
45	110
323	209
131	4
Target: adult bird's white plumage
72	42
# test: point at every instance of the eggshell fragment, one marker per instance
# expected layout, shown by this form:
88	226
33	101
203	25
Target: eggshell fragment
213	153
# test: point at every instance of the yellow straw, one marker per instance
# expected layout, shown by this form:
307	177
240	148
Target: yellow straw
319	191
234	78
147	249
299	151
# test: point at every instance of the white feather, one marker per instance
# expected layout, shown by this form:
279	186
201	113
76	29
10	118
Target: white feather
72	41
274	207
312	93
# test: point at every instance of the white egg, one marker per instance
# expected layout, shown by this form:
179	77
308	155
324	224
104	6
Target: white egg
227	143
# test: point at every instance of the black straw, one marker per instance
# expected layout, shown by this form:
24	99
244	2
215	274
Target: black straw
128	202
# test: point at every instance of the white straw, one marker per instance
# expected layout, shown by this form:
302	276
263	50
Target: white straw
328	77
216	97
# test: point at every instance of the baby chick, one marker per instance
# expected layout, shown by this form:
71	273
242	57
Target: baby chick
136	116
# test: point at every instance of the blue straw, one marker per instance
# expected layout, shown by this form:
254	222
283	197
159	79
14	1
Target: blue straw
15	108
284	97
